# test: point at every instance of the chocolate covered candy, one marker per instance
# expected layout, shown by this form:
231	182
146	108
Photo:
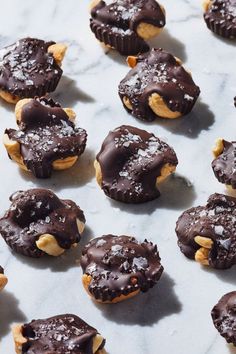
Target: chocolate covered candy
208	233
220	17
119	267
224	164
157	86
30	67
39	223
47	138
131	164
62	334
3	279
224	317
125	25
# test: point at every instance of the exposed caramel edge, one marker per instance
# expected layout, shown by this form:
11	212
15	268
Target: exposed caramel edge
86	280
159	107
18	337
3	281
98	172
8	97
58	50
206	5
218	148
202	254
147	31
93	3
166	171
131	61
48	243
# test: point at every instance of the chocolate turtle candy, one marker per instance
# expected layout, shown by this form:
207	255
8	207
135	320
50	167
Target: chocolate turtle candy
39	223
119	267
224	164
157	86
62	334
208	233
47	138
220	17
30	67
125	25
131	164
224	317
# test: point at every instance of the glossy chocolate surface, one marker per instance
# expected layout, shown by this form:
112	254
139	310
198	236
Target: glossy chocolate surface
131	159
221	17
120	265
27	69
62	334
217	221
158	72
46	134
224	317
37	212
224	166
115	23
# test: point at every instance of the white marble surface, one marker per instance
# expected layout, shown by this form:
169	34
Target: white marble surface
175	316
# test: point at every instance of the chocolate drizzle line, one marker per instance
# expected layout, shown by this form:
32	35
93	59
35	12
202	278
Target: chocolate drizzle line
217	221
131	159
224	317
120	265
46	134
62	334
37	212
224	166
221	18
158	72
27	69
115	24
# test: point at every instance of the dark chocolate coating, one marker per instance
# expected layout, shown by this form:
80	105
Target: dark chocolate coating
27	69
131	159
46	134
36	212
221	18
224	317
115	24
217	221
114	262
158	72
1	270
224	166
62	334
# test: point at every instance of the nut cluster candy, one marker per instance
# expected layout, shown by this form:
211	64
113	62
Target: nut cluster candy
30	67
224	164
119	267
220	17
125	25
62	334
132	163
224	317
47	138
208	233
157	86
3	279
39	223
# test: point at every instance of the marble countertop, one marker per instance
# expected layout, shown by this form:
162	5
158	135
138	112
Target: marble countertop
174	317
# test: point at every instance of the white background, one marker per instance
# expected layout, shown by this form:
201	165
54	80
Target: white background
174	317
